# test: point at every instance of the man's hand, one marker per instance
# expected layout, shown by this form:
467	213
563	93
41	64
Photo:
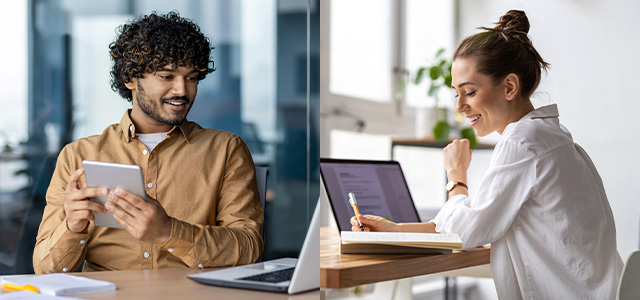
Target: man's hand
146	221
373	223
77	207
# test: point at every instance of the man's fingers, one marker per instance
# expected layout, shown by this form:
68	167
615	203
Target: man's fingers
129	197
83	194
120	213
73	180
123	204
124	224
84	205
83	215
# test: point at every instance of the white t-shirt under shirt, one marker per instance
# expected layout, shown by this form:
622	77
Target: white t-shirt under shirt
543	207
151	140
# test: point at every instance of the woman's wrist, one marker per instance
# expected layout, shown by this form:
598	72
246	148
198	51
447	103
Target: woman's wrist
457	175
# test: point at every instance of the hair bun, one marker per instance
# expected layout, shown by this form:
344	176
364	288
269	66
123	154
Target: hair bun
513	21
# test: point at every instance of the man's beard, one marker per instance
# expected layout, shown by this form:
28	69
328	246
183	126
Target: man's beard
151	108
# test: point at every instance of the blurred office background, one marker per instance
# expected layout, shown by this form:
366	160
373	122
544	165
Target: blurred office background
56	89
365	53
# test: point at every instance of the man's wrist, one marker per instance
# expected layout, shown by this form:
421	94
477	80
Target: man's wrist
84	230
167	232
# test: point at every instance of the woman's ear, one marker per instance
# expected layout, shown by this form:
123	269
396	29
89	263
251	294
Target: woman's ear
512	86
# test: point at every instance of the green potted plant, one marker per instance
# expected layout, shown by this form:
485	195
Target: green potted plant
439	76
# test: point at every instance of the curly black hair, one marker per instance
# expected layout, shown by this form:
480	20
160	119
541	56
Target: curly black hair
153	41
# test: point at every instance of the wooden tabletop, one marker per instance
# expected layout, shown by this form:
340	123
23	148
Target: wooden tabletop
174	284
348	270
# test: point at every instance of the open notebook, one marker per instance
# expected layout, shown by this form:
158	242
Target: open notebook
279	275
353	242
62	284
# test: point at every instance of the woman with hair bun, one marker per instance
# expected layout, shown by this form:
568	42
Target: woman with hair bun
541	204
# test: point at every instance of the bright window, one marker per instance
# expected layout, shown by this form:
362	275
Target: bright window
13	99
361	49
428	27
369	39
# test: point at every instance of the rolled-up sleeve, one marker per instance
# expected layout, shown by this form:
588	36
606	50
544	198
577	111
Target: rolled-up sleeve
57	248
506	186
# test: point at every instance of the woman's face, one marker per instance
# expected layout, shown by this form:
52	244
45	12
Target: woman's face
482	102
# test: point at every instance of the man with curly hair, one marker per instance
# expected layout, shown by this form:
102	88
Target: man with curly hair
203	208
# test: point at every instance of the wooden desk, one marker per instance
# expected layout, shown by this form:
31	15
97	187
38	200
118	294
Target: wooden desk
174	284
348	270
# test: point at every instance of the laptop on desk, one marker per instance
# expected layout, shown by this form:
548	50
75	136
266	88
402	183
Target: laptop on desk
280	275
379	187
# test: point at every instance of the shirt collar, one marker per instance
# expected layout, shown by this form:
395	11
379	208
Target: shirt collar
549	111
129	129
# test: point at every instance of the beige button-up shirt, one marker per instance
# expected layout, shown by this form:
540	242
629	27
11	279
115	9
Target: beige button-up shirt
203	178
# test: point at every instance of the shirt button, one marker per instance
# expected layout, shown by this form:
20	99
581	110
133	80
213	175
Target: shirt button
146	254
170	250
64	269
144	152
81	242
149	185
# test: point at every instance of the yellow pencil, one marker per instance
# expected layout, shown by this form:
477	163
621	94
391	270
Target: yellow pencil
26	287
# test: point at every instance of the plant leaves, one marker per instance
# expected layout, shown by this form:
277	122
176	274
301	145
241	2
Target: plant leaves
435	72
469	134
419	75
433	90
441	131
447	80
440	52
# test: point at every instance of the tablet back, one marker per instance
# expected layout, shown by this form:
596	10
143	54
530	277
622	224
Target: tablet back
112	176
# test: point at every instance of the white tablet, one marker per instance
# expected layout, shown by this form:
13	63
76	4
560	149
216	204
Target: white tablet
112	176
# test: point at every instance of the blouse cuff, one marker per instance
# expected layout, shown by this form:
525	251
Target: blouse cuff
447	210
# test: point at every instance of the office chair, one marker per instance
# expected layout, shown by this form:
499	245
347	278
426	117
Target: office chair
33	216
261	177
628	288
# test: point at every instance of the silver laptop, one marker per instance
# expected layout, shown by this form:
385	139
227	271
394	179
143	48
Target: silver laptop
280	275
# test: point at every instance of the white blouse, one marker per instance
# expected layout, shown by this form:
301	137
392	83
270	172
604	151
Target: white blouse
543	208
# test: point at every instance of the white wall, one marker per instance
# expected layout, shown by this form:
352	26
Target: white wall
594	77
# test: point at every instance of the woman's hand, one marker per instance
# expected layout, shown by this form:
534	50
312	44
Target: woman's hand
373	223
457	158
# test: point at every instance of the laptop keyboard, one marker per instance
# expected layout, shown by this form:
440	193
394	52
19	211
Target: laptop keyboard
275	276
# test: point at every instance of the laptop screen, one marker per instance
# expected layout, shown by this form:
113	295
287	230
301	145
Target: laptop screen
379	187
